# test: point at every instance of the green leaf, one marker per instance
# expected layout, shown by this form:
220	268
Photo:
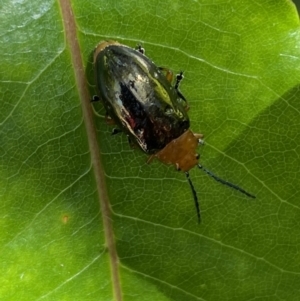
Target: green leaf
60	241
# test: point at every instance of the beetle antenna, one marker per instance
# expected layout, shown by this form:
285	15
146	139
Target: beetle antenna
226	183
195	197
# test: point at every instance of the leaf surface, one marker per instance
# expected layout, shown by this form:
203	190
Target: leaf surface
241	62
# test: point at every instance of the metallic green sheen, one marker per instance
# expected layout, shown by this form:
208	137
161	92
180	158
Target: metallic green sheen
139	98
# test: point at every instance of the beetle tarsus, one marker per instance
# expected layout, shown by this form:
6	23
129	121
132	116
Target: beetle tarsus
95	98
195	197
179	78
226	183
116	131
140	49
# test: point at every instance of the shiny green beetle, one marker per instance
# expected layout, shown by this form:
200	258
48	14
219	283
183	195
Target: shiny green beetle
138	96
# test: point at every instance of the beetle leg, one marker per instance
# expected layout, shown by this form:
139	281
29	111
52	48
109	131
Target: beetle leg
116	131
95	98
140	49
180	95
186	107
179	78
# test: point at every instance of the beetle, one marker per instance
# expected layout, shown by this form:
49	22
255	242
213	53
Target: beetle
140	98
